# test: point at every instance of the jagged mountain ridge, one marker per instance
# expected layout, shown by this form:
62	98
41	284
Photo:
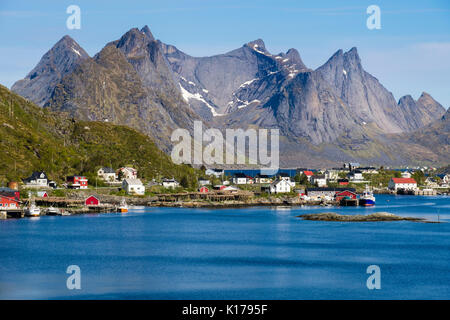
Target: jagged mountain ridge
337	110
127	82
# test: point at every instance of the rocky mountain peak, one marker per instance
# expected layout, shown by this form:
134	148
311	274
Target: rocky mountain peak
148	33
61	59
293	55
407	99
257	45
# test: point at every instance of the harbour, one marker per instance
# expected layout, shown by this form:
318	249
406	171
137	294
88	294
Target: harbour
230	253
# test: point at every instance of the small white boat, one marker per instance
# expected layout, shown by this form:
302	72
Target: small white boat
52	211
123	207
32	210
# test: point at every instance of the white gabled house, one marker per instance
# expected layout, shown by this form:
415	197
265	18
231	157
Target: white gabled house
38	179
280	186
320	180
239	178
107	174
133	186
127	173
170	183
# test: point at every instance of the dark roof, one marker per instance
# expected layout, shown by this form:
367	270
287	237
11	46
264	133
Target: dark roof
36	175
283	174
265	176
108	170
240	175
331	189
319	176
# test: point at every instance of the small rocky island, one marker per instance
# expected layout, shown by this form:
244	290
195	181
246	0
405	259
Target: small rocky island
378	216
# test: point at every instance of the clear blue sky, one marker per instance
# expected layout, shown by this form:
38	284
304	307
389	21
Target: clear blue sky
410	53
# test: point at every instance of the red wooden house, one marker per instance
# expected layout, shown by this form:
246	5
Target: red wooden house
340	195
203	190
92	201
8	201
77	182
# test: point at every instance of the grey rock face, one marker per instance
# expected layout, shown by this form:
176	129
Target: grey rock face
128	82
60	60
420	113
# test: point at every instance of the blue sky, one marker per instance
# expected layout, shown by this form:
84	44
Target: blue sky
409	54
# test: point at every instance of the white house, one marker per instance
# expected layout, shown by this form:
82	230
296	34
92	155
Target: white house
36	180
239	178
262	178
355	176
107	174
280	186
133	186
170	183
402	183
406	174
331	175
127	173
203	182
214	172
320	180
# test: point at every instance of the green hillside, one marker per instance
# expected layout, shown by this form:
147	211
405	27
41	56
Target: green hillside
32	138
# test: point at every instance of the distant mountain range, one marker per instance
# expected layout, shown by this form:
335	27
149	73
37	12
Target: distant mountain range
336	113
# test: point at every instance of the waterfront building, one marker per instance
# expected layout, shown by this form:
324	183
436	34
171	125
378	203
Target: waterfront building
329	192
280	186
92	201
402	183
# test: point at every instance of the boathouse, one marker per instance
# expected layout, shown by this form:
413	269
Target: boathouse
92	201
343	194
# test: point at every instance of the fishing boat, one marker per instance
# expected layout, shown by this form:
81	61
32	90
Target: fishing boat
123	207
367	199
32	210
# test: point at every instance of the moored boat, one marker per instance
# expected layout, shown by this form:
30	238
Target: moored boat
123	207
52	211
32	210
367	199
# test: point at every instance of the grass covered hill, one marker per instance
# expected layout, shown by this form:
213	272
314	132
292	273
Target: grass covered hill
33	138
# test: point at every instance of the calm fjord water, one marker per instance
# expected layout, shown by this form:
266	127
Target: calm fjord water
248	253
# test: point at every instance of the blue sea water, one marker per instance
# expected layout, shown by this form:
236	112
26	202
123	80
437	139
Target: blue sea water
245	253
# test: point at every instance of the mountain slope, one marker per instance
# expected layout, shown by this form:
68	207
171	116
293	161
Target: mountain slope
39	139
